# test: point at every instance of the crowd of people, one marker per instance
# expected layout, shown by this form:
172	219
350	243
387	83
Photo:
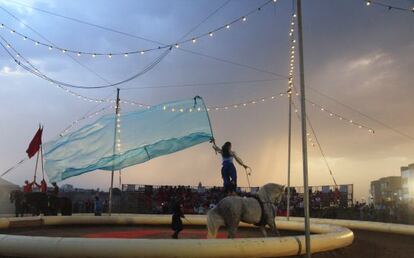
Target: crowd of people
198	200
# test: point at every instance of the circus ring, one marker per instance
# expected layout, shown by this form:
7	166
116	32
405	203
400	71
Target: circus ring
324	238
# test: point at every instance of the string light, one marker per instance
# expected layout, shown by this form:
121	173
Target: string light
388	6
77	121
292	54
242	18
118	130
308	134
244	104
340	117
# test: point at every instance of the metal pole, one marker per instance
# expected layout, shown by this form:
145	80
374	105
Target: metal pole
289	153
303	118
114	150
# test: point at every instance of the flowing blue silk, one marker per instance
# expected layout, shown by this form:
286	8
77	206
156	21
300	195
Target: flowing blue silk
143	135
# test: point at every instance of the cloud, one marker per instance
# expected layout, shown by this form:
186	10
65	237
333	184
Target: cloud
374	59
9	71
25	7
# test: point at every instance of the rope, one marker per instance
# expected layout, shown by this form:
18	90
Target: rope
246	170
14	167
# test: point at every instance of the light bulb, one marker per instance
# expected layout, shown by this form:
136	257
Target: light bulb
93	55
177	46
79	54
110	56
228	26
194	40
142	52
244	19
368	3
126	55
210	34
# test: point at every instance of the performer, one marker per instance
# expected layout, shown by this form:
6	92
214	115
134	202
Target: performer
42	186
98	206
176	222
228	170
55	190
28	187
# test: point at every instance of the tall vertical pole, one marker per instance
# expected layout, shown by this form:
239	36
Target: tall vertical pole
289	153
114	151
303	118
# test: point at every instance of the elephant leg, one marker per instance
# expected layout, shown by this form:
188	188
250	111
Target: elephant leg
263	230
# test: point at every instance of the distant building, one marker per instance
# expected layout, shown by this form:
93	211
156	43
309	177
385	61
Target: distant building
66	188
407	178
386	190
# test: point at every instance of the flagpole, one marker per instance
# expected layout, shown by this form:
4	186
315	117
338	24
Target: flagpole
303	122
41	158
114	150
37	162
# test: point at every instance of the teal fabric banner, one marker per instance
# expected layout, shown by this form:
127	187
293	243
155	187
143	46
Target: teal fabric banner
143	135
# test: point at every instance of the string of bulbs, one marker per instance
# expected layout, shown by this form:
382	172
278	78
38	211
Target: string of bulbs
388	6
291	88
339	117
28	66
88	116
93	54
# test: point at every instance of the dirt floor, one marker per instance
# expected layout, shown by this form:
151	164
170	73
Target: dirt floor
366	244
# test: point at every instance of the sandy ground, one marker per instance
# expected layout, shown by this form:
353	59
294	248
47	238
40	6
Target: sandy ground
366	244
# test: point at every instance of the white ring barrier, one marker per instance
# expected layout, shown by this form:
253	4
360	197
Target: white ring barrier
327	237
392	228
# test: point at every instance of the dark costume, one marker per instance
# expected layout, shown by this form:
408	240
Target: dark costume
229	175
176	222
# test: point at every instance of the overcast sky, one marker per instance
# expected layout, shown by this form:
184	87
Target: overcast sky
361	56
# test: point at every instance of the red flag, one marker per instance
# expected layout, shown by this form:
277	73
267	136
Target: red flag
34	145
